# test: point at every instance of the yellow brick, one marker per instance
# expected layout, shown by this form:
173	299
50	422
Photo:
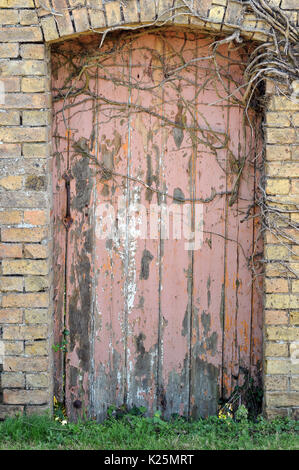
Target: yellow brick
23	34
131	12
289	4
272	89
147	10
287	203
33	84
277	186
35	217
295	218
36	283
294	383
38	380
282	333
35	150
295	285
14	348
295	251
164	10
281	136
11	283
23	67
43	7
277	252
295	152
26	300
11	84
283	170
217	13
276	349
36	348
277	269
276	285
113	13
278	152
10	251
36	315
181	13
11	183
25	332
233	12
295	186
26	100
17	4
277	366
10	217
49	28
37	267
9	17
10	118
23	234
281	103
282	301
81	20
274	413
9	50
33	51
35	251
260	36
11	315
97	17
13	380
28	17
221	2
26	397
294	317
278	119
282	399
272	237
24	134
276	382
36	118
10	150
276	317
26	364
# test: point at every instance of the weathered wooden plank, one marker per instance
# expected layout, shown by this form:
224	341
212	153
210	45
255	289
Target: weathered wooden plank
143	311
110	261
176	260
79	257
208	290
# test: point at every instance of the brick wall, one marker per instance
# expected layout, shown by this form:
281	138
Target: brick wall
25	193
281	306
26	306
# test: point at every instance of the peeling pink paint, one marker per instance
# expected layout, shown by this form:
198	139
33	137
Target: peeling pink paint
151	323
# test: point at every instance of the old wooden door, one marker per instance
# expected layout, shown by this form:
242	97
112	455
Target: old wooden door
154	175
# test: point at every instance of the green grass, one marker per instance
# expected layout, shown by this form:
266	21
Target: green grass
138	432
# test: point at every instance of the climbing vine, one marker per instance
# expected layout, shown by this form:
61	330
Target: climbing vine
275	59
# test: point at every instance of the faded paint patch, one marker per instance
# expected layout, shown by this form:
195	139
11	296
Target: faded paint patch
204	389
177	132
147	257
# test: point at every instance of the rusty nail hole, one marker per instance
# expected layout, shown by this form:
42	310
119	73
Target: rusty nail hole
77	404
67	221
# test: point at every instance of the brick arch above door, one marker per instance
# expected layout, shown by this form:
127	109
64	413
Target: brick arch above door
60	21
